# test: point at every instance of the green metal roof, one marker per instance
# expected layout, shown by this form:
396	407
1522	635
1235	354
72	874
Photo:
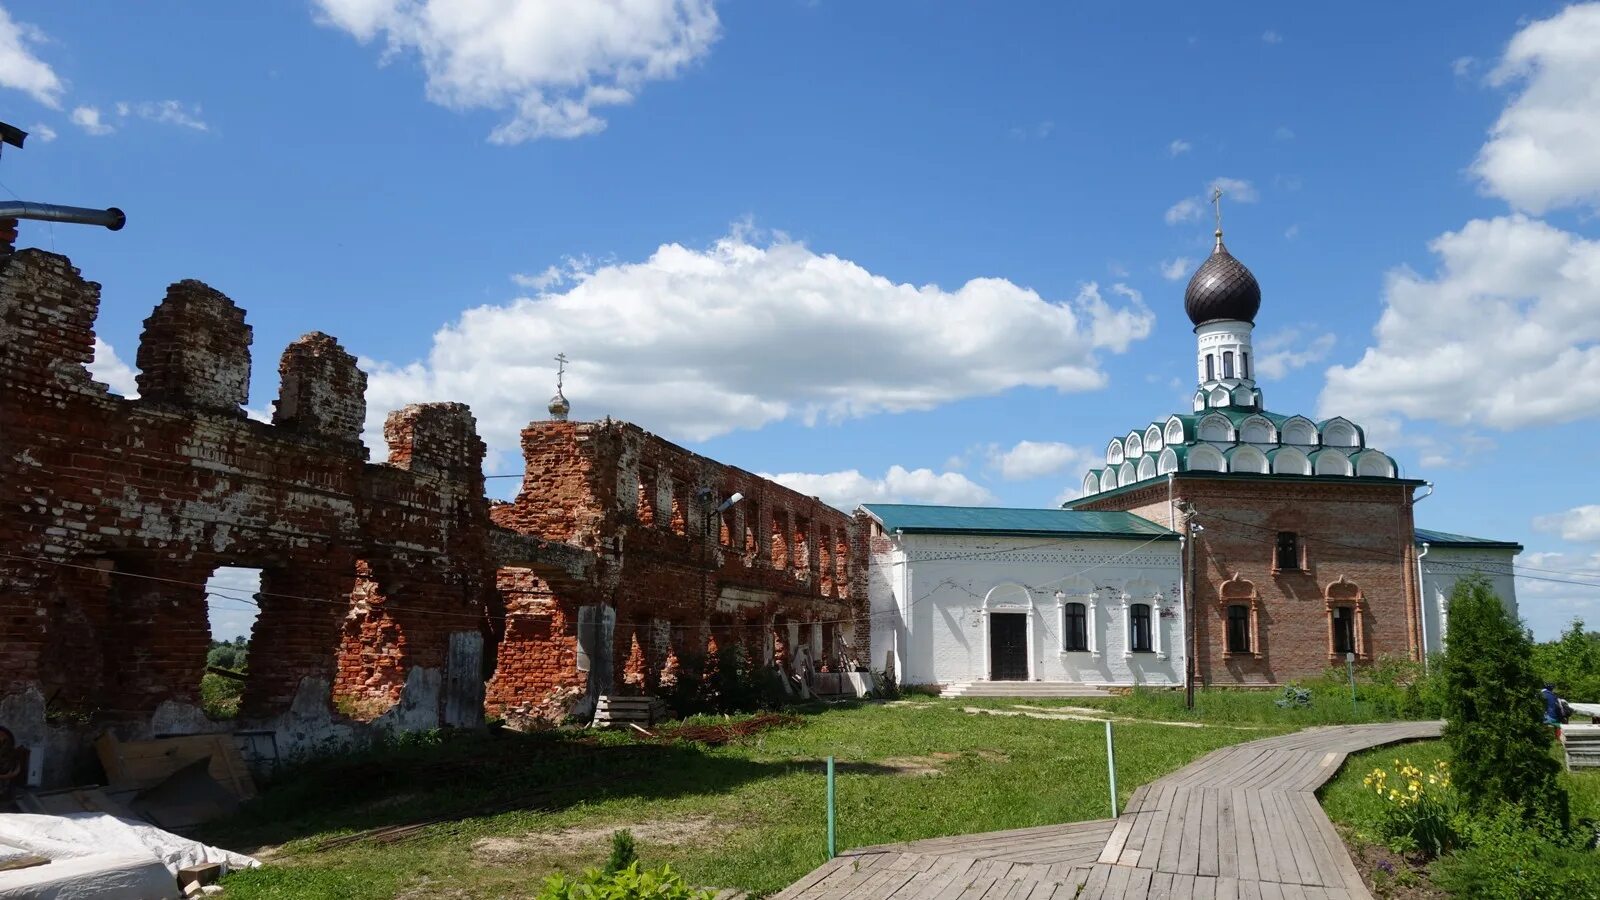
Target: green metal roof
1446	539
1245	476
994	520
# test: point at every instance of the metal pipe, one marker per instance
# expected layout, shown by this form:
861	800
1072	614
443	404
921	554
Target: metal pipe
112	218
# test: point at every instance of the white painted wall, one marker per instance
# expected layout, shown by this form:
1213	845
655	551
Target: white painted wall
1443	567
931	596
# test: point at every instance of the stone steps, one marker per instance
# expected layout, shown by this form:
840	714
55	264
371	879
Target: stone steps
1022	689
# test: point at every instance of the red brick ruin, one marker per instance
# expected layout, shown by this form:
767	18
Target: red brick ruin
390	592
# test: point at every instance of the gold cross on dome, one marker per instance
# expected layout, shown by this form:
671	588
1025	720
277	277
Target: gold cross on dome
561	370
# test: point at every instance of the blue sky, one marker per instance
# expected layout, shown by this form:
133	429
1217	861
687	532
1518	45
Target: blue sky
890	250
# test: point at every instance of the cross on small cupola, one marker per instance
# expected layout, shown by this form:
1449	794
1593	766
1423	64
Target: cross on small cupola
559	407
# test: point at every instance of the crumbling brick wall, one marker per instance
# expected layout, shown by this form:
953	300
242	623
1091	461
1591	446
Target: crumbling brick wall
115	511
777	571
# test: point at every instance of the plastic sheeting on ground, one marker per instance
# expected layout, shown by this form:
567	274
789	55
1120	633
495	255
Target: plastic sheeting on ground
99	855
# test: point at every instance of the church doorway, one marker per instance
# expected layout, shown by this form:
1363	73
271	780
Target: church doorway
1008	647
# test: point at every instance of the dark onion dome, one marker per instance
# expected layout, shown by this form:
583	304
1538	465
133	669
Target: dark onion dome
1222	288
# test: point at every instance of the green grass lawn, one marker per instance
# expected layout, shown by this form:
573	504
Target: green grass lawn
748	815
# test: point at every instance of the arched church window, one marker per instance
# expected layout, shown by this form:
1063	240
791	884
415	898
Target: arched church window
1227	364
1211	367
1238	628
1139	625
1074	628
1344	629
1244	364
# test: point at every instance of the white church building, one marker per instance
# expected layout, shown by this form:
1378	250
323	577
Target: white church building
971	594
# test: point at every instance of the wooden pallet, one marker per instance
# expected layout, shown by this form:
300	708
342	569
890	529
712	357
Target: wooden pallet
620	712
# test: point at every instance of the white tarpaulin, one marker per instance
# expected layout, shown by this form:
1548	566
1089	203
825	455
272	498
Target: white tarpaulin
99	855
1585	709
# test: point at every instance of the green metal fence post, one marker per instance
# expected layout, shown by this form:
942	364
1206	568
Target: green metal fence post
1350	664
830	809
1111	766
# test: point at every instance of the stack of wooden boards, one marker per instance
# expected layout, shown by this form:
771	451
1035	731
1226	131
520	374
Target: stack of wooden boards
619	712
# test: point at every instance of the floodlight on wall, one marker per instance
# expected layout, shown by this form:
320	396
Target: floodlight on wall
111	218
727	504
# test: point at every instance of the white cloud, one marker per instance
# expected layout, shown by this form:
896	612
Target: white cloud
1282	352
696	343
1174	269
1283	133
109	368
20	69
165	112
1581	523
550	64
88	118
1540	153
1035	459
42	132
849	489
1271	37
1292	232
1179	147
1236	189
1185	210
1462	66
1505	334
1549	606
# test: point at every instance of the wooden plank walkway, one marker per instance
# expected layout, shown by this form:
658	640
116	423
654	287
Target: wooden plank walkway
1240	823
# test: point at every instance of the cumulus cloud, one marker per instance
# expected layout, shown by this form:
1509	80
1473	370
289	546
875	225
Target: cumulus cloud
42	132
1283	133
1462	66
1505	334
549	65
165	112
1179	147
1540	153
1185	210
20	69
1581	523
1035	459
752	330
1282	352
109	368
849	489
88	118
1271	37
1176	268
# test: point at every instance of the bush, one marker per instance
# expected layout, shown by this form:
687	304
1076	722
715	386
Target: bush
622	853
219	696
1516	854
884	686
1420	809
630	883
1494	728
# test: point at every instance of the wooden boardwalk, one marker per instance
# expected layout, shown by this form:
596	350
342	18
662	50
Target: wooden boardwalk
1240	823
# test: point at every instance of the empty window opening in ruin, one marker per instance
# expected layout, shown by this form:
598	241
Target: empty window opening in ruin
752	531
232	605
372	662
679	520
802	543
647	496
780	543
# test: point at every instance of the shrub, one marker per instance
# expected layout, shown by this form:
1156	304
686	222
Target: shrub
630	883
1516	854
1494	727
622	852
219	696
1420	809
884	686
